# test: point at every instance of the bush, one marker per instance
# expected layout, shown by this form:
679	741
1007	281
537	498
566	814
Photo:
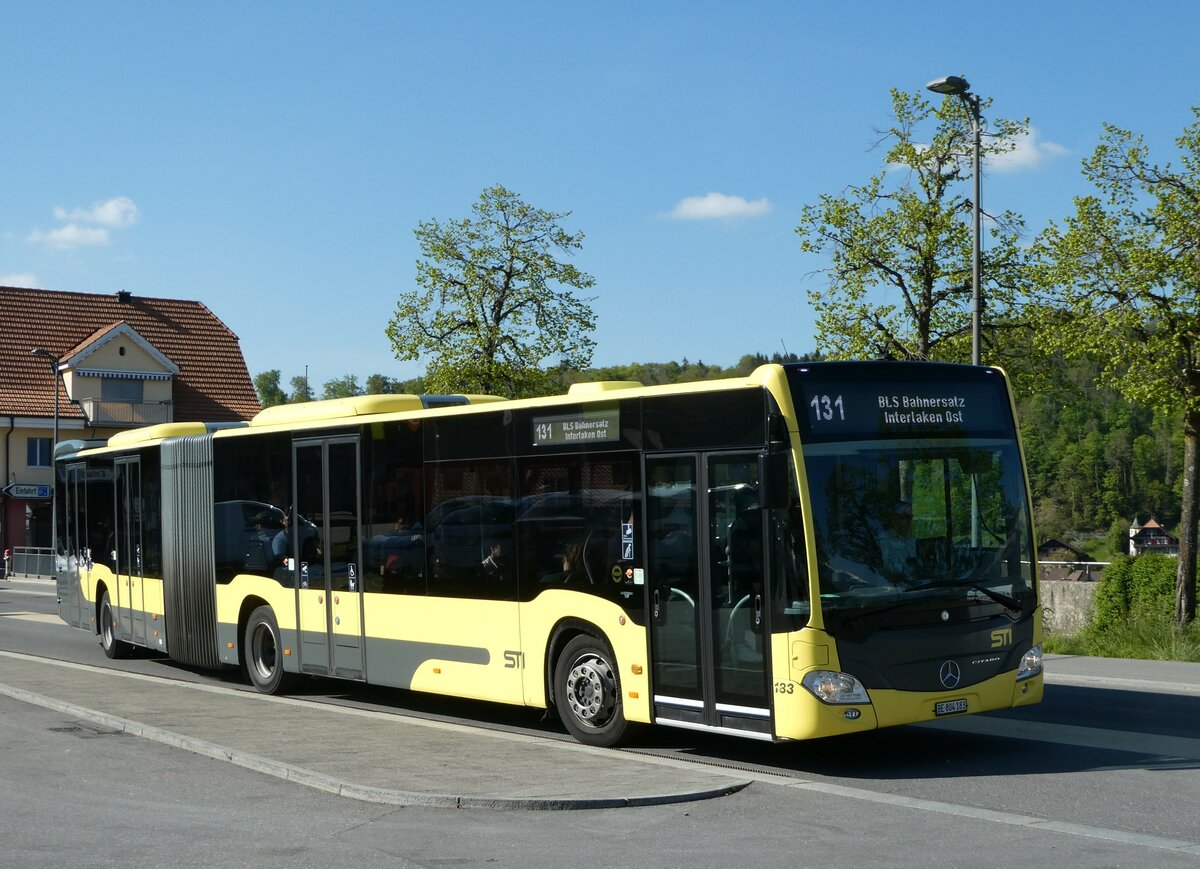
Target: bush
1133	615
1141	588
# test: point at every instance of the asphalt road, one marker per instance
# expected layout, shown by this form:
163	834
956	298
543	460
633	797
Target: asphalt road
1103	773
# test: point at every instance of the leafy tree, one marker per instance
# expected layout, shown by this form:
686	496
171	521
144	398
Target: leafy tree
270	393
900	244
301	391
495	304
342	387
1120	282
381	384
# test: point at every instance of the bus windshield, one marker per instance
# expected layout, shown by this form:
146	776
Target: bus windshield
917	491
910	522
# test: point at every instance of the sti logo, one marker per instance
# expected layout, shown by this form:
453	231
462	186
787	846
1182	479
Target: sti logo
1002	638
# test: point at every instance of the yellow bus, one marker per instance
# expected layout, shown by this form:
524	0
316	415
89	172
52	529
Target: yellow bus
810	550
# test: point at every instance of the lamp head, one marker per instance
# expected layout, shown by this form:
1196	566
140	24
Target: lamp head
949	85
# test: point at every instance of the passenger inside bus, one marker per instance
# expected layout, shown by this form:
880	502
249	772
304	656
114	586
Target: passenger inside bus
897	547
494	563
572	568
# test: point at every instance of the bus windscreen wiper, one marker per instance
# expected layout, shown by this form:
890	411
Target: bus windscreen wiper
1009	603
1004	600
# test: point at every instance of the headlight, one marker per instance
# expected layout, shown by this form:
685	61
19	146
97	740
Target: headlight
1031	663
830	687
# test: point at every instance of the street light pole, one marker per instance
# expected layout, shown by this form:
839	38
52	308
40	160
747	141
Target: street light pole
54	374
960	87
54	362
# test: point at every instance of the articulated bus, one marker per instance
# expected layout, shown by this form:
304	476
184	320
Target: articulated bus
813	549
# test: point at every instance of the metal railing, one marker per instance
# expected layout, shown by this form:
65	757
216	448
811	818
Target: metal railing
1085	566
125	413
31	562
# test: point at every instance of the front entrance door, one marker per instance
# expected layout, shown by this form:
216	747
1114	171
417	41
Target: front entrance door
326	556
707	585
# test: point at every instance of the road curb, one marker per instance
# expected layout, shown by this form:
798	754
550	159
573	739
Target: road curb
329	784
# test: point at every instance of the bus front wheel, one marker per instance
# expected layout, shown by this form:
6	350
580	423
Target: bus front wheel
113	648
587	692
264	651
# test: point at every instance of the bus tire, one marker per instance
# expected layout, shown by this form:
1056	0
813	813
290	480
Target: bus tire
587	692
263	647
113	648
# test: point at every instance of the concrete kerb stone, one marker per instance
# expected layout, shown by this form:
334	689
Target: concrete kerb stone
319	781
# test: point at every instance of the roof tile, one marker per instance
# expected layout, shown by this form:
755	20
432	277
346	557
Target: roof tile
213	384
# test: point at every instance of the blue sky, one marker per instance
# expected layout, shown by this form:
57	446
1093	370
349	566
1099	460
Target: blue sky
272	159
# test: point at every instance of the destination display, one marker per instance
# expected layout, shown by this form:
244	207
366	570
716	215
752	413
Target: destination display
836	401
595	426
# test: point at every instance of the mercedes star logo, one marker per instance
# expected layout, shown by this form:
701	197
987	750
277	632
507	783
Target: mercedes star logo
950	675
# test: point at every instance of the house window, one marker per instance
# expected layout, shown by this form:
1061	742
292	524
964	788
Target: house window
128	390
37	452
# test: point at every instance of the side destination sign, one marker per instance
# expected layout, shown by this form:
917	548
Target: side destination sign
596	426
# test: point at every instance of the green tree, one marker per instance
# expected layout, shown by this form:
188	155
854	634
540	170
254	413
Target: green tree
301	391
341	387
1120	282
270	393
381	384
495	304
899	279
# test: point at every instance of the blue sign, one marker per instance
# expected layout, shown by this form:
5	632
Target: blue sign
20	490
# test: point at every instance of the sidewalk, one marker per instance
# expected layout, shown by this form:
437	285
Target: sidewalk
373	756
396	759
1168	677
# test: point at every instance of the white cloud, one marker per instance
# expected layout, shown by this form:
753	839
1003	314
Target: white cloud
1029	153
115	213
718	206
19	279
69	237
87	227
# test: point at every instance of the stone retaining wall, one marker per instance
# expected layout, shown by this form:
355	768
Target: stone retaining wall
1066	606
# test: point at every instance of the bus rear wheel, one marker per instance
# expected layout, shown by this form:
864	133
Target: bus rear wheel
113	648
587	692
263	648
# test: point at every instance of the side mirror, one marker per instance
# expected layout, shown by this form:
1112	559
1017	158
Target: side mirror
774	481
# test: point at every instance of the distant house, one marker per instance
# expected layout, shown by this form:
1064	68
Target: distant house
1059	560
1151	537
113	362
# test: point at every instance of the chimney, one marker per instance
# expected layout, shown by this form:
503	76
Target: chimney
123	296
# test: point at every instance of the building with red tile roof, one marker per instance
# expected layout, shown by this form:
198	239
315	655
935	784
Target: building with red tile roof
1151	537
116	361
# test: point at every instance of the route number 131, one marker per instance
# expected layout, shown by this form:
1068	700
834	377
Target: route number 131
825	407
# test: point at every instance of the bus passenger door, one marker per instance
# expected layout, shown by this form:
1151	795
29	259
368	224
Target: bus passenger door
326	552
131	613
707	585
71	532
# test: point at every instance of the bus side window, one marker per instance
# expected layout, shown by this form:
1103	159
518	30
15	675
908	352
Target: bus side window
469	520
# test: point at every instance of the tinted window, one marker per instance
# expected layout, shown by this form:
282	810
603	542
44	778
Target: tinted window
98	523
151	511
578	526
393	508
481	435
468	530
705	420
252	482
